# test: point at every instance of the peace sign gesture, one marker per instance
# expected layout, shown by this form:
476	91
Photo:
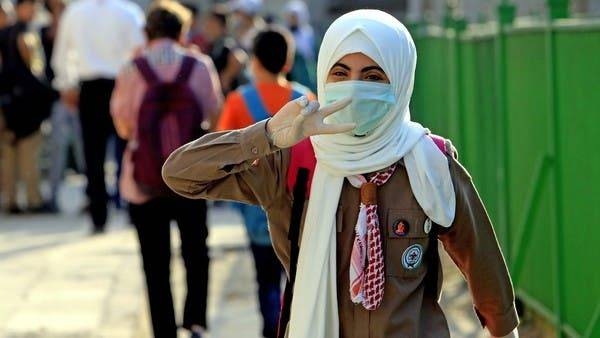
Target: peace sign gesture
300	118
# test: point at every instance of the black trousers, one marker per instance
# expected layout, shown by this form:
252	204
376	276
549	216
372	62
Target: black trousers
96	129
152	221
268	277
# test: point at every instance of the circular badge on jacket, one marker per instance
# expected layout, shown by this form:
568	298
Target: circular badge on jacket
412	257
401	228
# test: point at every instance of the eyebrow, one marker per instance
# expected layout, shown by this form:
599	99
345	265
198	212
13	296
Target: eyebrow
339	64
366	69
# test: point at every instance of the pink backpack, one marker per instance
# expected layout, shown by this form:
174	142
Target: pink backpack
169	117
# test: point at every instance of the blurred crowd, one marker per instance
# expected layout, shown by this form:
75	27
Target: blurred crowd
40	85
79	82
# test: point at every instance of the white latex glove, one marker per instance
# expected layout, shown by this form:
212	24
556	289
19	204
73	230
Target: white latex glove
513	334
300	118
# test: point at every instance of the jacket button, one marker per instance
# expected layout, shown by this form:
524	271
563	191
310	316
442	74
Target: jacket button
254	150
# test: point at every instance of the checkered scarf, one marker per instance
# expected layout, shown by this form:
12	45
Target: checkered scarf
367	282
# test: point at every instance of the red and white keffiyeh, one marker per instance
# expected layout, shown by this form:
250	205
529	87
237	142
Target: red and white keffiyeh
367	271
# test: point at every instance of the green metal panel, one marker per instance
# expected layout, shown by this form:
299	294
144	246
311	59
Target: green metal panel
478	130
418	106
530	209
430	108
578	105
453	88
533	95
469	109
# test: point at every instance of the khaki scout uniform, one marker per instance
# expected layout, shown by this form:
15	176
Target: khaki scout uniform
224	166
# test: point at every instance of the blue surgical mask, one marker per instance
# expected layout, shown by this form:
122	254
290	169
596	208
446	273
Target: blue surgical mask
371	102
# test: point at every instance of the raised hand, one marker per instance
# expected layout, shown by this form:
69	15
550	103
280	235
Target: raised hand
300	118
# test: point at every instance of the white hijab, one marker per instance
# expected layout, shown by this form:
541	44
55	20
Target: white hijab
384	39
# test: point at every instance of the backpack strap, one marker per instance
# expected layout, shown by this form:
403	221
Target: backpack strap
299	90
146	70
431	286
302	155
300	190
254	102
431	281
185	70
296	94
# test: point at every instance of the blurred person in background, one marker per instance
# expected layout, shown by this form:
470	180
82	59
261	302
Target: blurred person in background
245	21
195	36
28	97
66	129
7	13
94	40
297	18
7	16
154	93
271	58
229	58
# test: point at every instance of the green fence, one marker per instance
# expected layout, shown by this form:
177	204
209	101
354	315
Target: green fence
522	105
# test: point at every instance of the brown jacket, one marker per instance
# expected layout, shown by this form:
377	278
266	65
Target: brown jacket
223	166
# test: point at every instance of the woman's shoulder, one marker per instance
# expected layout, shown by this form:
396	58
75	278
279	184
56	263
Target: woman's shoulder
444	145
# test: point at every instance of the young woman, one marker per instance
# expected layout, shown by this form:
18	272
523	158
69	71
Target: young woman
383	192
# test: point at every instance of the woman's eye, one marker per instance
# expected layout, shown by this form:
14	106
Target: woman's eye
339	73
374	77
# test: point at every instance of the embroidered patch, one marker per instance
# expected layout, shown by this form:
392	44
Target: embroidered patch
427	226
401	228
412	257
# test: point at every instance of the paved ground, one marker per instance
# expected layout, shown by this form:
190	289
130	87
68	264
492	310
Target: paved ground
57	281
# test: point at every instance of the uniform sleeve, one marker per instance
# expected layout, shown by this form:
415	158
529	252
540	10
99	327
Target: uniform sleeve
472	245
239	165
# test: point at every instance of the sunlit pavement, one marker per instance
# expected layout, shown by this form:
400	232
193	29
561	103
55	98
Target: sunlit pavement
58	281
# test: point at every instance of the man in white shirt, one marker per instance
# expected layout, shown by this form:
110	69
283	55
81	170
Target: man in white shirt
95	39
